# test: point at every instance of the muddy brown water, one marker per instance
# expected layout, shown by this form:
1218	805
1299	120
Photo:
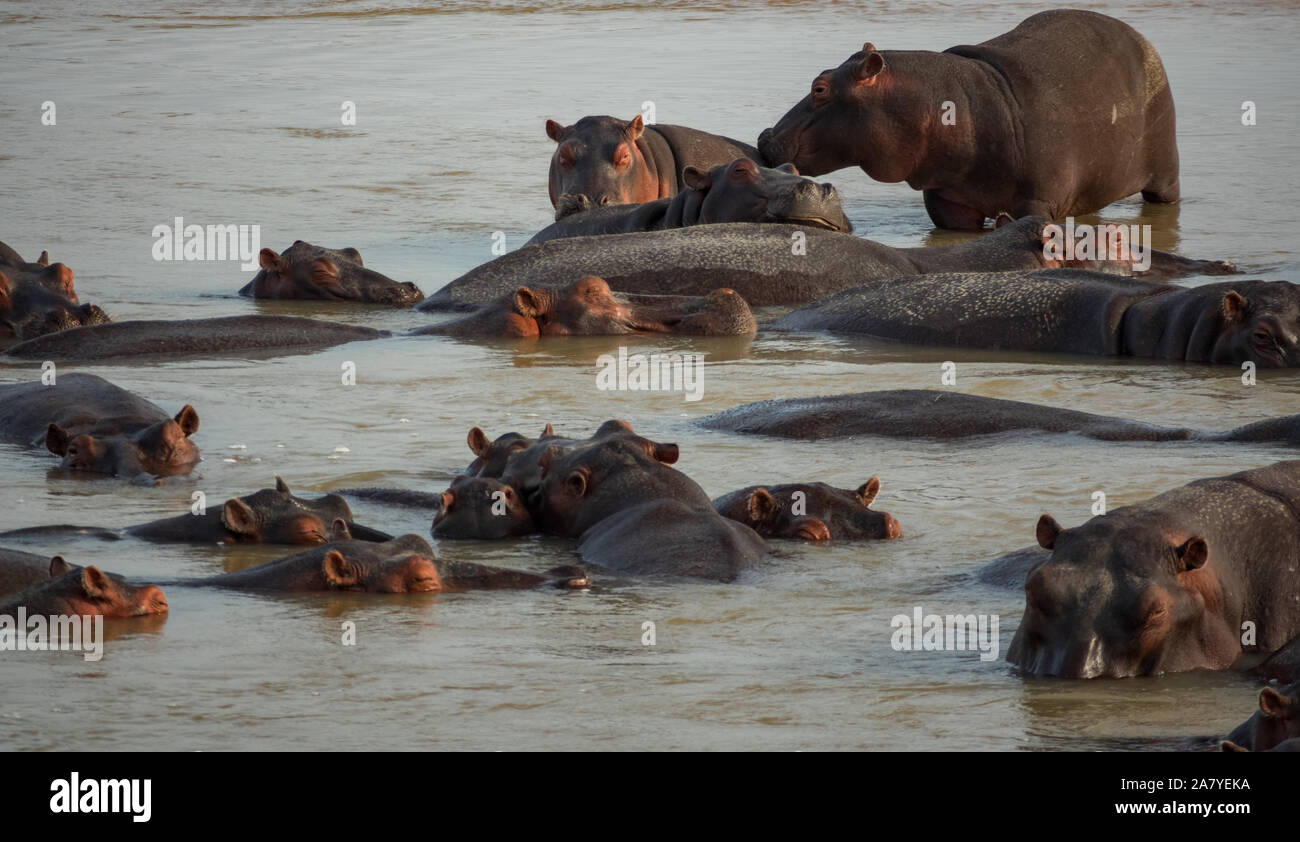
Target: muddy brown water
235	117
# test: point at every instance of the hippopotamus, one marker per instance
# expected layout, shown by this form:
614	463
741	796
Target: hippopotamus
588	308
1165	585
88	591
481	507
39	298
634	514
402	565
523	465
19	570
605	161
1276	721
936	414
1071	311
765	263
269	516
741	191
181	338
1292	744
821	512
98	427
322	274
1014	125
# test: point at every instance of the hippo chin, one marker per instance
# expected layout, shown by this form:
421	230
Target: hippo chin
741	191
810	511
39	298
316	273
1165	585
588	308
601	161
1012	145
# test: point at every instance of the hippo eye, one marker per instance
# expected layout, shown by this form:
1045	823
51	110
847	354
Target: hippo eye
821	90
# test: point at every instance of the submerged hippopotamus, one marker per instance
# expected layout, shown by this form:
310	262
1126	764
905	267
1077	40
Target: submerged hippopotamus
314	272
19	570
522	466
481	507
1015	125
588	308
936	414
402	565
176	339
99	427
39	298
1276	721
741	191
88	591
634	514
1071	311
1165	585
765	263
602	161
811	511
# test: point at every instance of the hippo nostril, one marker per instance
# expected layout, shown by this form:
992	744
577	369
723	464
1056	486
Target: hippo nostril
603	200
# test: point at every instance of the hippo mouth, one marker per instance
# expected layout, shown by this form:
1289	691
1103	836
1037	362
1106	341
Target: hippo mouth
843	226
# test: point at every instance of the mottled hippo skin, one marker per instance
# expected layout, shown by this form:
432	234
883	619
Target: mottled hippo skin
88	591
1276	721
98	427
636	515
766	264
1071	311
810	511
322	274
924	413
402	565
1165	585
741	191
588	308
1035	127
39	298
190	338
605	161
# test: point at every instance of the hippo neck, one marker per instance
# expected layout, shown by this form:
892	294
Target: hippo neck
660	164
1171	323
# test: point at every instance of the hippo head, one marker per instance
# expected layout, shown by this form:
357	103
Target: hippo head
812	512
481	507
88	590
1127	593
588	308
345	569
161	449
36	303
598	162
313	272
275	516
742	191
841	116
490	456
524	470
1260	324
1276	721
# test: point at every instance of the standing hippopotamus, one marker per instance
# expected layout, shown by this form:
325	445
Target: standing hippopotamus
98	427
402	565
1071	311
604	161
1165	585
314	272
1276	721
741	191
481	507
811	511
88	591
1061	116
39	298
588	308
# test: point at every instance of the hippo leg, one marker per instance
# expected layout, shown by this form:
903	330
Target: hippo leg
1162	194
945	213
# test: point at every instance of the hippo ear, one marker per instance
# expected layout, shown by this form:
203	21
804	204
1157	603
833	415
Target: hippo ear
789	168
696	178
188	419
339	530
478	441
93	581
58	566
338	571
1193	553
666	454
868	490
448	500
868	47
1047	531
239	517
1275	705
270	261
1234	306
869	67
576	483
761	506
56	440
5	287
44	259
281	486
527	303
353	255
1229	745
554	131
548	432
635	128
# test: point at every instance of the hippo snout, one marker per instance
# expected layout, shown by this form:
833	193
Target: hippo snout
893	529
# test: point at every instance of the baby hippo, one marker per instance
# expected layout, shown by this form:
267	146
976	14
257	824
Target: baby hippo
482	507
322	274
810	511
87	591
